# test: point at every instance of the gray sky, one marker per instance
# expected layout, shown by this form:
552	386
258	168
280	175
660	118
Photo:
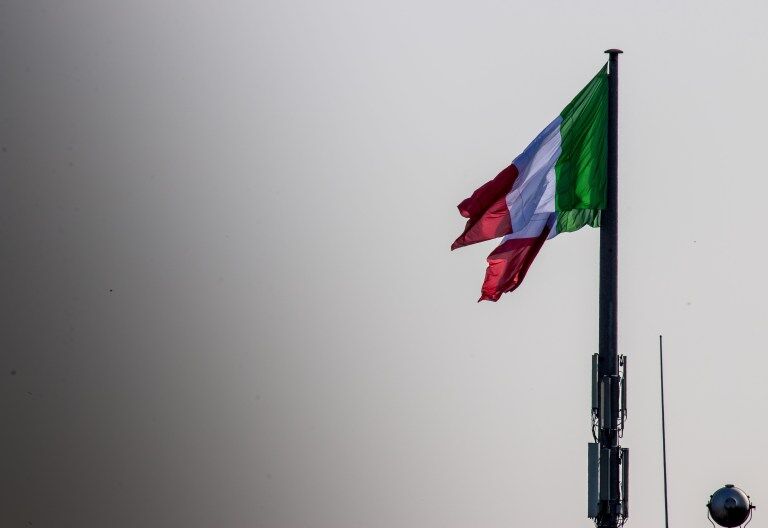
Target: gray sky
227	293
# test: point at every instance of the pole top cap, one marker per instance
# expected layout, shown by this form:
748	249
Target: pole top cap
613	51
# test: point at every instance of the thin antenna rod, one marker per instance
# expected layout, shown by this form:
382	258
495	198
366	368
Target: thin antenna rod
663	432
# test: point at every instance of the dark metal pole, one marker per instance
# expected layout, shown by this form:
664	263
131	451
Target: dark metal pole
663	433
609	229
608	355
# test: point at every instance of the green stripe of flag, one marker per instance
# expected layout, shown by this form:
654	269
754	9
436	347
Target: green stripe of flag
580	172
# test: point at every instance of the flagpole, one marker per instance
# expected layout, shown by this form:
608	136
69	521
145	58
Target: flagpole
608	363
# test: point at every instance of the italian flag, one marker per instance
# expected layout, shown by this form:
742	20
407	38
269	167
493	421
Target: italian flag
557	184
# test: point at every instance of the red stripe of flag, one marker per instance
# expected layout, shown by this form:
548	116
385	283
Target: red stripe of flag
508	264
487	210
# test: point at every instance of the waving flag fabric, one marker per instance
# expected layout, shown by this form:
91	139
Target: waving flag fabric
556	185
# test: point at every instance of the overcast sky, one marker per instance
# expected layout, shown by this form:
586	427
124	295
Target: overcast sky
227	295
